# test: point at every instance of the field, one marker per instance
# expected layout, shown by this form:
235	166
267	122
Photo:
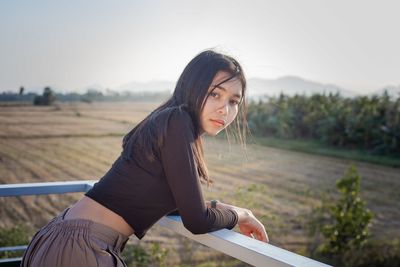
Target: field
79	141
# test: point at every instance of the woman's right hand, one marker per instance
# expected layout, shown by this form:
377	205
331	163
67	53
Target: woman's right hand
248	224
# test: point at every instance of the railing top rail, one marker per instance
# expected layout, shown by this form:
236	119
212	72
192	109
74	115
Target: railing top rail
26	189
229	242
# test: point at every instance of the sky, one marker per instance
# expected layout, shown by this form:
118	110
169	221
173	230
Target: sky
71	44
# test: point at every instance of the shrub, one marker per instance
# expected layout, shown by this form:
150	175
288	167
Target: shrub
340	229
374	253
139	256
350	217
46	99
16	235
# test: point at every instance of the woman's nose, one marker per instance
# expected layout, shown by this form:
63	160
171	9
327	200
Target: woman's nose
224	109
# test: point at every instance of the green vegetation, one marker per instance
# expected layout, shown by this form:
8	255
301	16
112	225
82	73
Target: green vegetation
320	148
351	218
368	123
46	99
139	256
91	95
340	230
13	236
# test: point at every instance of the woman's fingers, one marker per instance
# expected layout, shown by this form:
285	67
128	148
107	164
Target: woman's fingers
256	233
261	233
249	234
263	236
253	228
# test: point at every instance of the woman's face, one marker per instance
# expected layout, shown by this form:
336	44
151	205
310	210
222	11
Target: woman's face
222	104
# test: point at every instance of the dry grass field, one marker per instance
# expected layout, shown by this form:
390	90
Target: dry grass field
79	141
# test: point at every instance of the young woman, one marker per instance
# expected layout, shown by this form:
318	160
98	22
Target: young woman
159	171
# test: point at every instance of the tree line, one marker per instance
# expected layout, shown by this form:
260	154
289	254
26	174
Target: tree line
49	96
371	123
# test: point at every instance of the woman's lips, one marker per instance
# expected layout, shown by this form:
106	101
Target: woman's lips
218	122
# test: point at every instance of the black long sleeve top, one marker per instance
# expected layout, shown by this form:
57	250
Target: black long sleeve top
142	191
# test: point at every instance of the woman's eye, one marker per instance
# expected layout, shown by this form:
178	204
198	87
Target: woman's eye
213	94
234	102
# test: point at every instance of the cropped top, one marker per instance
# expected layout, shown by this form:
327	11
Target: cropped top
142	191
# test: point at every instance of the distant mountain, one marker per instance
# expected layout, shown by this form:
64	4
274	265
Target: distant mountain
152	86
257	87
291	85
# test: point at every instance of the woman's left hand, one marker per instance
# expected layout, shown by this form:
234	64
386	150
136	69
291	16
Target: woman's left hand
253	228
248	224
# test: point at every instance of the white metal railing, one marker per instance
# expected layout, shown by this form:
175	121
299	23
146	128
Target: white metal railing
239	246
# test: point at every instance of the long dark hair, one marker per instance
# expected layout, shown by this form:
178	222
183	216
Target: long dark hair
190	93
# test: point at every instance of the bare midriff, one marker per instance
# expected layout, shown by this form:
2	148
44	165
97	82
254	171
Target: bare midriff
88	209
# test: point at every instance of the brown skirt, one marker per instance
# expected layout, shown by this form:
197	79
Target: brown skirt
75	242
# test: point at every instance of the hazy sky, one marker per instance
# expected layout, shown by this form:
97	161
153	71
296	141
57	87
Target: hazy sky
74	44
